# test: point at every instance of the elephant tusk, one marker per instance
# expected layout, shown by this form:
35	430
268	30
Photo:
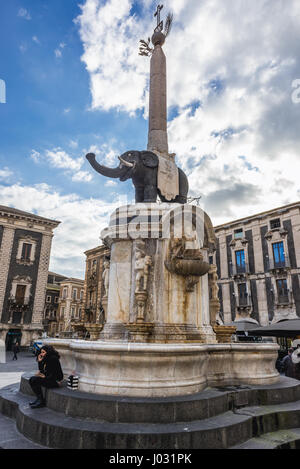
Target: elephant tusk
126	163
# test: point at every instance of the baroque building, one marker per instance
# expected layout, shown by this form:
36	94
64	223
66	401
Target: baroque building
258	265
25	245
96	284
70	304
51	317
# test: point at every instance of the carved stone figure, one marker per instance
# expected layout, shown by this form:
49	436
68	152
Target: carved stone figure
142	266
105	277
185	259
142	168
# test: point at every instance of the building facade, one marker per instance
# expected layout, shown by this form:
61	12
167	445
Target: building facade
25	245
95	285
258	265
70	304
51	316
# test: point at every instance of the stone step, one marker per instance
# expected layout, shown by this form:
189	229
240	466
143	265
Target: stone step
203	405
282	439
11	438
56	430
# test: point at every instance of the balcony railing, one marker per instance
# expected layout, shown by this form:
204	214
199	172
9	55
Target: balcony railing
19	301
239	269
280	264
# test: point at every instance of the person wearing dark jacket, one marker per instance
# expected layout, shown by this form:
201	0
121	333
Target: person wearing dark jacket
48	376
16	350
288	365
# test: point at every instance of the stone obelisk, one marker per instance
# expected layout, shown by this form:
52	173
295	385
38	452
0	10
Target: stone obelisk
157	134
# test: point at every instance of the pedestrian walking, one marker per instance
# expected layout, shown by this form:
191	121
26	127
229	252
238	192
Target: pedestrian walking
16	350
48	376
288	365
296	361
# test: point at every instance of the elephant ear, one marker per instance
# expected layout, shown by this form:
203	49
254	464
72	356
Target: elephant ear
149	159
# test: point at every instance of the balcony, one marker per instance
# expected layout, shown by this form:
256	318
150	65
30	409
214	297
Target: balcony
239	270
282	264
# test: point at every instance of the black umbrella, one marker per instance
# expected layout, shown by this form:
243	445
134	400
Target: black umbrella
243	325
285	328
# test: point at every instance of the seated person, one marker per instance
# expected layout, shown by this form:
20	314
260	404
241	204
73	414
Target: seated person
49	375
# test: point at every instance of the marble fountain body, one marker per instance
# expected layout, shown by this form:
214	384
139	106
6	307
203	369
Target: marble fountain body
158	339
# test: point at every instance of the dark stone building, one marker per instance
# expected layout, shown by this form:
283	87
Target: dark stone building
25	245
258	264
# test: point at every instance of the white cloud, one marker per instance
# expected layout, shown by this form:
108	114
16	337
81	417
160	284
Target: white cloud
82	176
23	13
111	183
58	51
73	144
5	174
230	66
81	221
36	39
60	159
110	37
23	47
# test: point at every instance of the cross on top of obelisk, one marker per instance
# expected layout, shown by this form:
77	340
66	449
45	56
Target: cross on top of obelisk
160	24
159	35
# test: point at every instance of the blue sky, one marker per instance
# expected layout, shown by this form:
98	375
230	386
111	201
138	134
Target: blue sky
75	83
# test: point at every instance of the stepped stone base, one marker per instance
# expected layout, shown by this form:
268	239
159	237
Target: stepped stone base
227	417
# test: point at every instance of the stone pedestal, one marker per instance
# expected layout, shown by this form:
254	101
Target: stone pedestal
158	340
144	240
224	333
94	330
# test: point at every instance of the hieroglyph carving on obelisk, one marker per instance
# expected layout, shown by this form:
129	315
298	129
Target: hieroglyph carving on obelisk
157	134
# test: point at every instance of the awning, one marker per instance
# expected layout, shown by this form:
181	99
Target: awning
285	328
243	325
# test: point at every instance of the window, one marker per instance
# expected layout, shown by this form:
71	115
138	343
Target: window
243	294
282	291
275	223
64	294
20	294
238	233
278	254
81	294
240	261
211	259
74	293
72	312
56	299
48	299
26	251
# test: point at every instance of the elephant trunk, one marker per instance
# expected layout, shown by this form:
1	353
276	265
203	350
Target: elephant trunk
108	172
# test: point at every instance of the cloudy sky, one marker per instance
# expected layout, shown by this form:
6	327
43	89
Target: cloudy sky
75	83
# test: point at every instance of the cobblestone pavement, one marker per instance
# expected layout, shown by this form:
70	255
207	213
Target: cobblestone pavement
11	371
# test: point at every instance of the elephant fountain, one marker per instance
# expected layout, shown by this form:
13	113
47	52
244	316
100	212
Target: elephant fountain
144	167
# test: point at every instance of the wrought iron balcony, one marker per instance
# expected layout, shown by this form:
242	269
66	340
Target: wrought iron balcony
280	264
239	270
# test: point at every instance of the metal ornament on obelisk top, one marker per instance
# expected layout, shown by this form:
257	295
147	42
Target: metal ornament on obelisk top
157	134
161	299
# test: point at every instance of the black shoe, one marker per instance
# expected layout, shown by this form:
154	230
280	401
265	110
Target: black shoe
38	404
34	402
